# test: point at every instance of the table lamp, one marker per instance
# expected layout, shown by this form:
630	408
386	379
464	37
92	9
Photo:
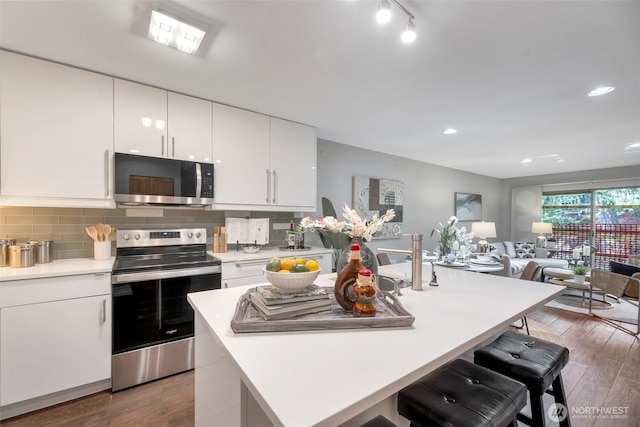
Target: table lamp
542	229
483	230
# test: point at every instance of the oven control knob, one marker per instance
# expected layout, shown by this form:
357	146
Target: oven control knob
198	234
190	235
136	236
126	236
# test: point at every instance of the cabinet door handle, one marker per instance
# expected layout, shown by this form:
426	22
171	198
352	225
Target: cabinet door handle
162	146
268	185
106	173
275	186
248	263
104	310
173	146
226	285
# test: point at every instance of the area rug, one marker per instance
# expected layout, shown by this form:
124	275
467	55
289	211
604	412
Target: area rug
623	311
538	330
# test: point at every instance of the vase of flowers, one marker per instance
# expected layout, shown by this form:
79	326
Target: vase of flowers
450	233
357	229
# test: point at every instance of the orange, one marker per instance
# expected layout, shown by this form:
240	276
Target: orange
287	263
312	265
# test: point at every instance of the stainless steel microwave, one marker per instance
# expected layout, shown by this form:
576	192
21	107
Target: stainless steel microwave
143	180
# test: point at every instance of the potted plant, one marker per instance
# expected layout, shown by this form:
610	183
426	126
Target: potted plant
579	273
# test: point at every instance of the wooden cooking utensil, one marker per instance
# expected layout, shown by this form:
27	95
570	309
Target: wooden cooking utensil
92	232
100	230
107	232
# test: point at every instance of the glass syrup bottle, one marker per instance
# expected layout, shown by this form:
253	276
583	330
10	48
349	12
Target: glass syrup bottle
346	279
365	293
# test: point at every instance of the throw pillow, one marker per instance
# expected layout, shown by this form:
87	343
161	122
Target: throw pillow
621	268
510	249
525	250
499	246
628	270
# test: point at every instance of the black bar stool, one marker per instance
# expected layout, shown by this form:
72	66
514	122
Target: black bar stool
535	363
462	394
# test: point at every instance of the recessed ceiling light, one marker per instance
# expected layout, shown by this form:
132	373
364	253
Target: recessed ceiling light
450	131
632	147
526	161
601	91
169	31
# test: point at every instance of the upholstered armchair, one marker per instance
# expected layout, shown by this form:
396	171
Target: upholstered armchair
615	284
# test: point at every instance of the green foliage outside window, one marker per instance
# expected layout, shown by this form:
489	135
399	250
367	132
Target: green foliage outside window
613	206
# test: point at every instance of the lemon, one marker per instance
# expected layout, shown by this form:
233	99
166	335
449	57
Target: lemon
284	271
287	263
300	260
312	265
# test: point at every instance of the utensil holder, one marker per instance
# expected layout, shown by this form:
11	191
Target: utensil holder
102	250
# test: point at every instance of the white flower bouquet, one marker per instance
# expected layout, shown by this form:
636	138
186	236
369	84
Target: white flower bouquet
354	225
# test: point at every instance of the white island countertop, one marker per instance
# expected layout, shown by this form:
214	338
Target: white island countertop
326	378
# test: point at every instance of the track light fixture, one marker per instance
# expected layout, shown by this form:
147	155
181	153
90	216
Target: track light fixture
384	12
384	15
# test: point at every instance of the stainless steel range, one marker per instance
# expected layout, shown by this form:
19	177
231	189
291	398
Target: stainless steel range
152	320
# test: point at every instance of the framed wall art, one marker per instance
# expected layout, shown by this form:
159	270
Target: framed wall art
374	195
468	207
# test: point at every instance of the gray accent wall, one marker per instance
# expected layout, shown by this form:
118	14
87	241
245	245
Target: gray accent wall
428	189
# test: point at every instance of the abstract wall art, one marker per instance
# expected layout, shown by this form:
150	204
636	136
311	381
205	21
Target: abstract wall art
377	195
468	207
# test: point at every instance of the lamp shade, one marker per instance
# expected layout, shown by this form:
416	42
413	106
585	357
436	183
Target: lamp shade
542	228
483	229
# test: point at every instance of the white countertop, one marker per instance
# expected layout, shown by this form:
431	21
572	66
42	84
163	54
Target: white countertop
265	253
55	268
324	378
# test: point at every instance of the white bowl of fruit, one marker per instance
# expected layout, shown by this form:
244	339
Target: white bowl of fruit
291	275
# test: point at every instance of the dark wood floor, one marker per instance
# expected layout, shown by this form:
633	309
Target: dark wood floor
603	375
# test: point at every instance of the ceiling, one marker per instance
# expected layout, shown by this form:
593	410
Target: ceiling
511	76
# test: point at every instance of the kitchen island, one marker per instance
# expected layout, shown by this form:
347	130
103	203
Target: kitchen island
345	377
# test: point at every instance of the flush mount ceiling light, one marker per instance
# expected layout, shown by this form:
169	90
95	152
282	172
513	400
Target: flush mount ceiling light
601	91
167	30
450	131
384	15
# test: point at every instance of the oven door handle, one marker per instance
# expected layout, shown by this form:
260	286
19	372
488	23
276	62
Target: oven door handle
164	274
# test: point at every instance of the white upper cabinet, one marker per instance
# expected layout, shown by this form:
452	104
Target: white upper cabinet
261	162
140	115
241	156
293	163
190	128
56	134
154	122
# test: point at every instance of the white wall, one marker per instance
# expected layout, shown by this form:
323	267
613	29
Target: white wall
428	189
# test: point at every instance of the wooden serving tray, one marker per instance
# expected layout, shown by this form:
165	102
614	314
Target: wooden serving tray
389	314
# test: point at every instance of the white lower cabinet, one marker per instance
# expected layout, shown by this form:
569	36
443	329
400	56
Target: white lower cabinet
242	272
48	344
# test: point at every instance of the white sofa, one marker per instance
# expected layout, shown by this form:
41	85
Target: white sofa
515	256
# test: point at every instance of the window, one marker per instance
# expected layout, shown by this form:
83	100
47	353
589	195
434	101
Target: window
608	218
